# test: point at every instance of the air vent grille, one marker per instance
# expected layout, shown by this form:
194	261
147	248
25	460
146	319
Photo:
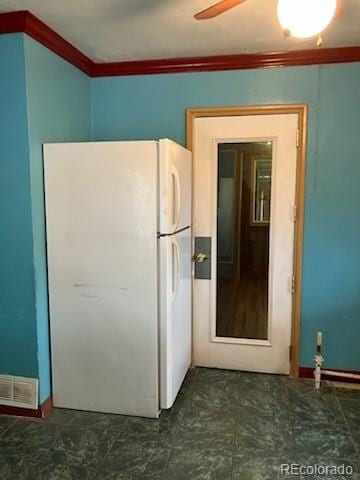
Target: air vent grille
19	392
5	388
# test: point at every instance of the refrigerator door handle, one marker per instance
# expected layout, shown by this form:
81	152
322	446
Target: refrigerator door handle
176	197
175	269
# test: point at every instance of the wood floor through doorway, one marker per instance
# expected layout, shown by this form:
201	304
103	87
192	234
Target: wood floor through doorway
243	306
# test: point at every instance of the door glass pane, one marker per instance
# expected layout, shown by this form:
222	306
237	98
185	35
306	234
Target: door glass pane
243	225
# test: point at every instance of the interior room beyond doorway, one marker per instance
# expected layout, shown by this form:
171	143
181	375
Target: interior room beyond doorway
244	198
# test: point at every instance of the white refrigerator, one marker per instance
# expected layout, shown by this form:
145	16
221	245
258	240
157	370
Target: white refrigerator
118	227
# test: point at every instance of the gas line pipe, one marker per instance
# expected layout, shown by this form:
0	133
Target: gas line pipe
319	360
354	376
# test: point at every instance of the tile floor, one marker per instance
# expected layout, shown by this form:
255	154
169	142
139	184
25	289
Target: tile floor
225	425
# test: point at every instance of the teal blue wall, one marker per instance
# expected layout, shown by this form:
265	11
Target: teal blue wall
331	287
17	293
58	97
154	106
45	99
42	99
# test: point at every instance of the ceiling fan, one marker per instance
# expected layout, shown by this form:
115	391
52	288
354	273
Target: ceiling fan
217	9
298	18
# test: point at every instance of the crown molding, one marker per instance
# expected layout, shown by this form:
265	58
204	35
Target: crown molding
229	62
26	22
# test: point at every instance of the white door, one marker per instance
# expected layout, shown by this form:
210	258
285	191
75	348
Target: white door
175	313
278	133
175	187
101	218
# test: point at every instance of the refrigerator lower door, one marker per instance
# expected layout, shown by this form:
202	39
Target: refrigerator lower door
101	212
175	187
175	314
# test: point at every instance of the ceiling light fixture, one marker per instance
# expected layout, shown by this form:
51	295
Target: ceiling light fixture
305	18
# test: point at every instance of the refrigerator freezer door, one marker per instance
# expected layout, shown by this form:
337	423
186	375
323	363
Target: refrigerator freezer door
101	212
175	187
175	313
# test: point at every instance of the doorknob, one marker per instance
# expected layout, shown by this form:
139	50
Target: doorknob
201	257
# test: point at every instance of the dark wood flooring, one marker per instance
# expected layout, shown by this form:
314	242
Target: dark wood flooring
242	306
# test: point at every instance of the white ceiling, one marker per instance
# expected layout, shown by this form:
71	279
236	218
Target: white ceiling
112	30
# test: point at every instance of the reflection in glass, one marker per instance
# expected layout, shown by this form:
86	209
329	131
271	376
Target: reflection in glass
261	190
243	224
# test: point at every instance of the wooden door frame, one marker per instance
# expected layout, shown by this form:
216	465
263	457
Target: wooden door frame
301	110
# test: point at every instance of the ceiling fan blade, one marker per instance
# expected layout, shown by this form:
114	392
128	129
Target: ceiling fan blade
339	9
217	9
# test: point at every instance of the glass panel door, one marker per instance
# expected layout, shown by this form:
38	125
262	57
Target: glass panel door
243	226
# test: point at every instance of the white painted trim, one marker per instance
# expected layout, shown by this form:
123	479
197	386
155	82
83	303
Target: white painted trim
230	340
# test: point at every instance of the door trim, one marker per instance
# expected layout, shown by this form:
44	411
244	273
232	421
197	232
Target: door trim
301	110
